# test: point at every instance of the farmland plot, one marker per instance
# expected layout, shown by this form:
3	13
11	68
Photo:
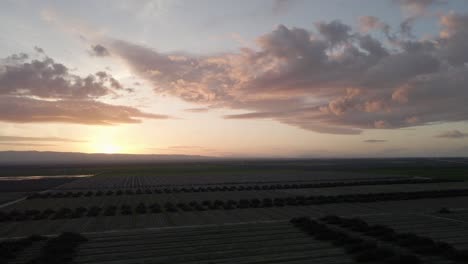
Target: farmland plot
378	188
10	196
221	216
457	213
381	243
12	188
436	227
232	219
426	205
239	243
31	185
133	199
134	181
301	240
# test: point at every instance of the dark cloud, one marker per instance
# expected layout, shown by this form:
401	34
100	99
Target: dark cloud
375	141
90	112
454	38
329	80
406	27
372	46
38	49
45	139
335	31
255	115
98	51
43	90
452	134
16	58
46	78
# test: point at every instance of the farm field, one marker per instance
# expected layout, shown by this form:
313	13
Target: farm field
31	185
183	218
263	242
10	196
13	188
241	217
133	198
436	226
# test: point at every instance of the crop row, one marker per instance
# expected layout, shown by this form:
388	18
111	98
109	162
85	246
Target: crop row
141	208
360	249
70	194
418	244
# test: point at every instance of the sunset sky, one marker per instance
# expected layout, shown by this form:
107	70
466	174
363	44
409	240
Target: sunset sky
285	78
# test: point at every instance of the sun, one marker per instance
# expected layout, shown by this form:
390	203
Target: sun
108	148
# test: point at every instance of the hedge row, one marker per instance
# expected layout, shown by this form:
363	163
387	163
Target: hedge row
93	211
418	244
70	194
360	249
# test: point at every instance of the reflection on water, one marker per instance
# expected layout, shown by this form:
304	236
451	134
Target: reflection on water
21	178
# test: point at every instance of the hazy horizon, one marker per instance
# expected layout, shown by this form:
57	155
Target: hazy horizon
268	79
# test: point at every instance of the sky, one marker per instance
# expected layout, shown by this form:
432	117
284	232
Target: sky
262	78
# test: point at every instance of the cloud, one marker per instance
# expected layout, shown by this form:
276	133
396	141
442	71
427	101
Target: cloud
454	36
418	6
455	134
98	51
253	115
89	112
375	141
330	79
43	90
46	78
369	23
45	139
335	31
38	49
197	110
26	144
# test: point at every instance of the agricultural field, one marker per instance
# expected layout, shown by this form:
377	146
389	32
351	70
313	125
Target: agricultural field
249	215
261	242
19	187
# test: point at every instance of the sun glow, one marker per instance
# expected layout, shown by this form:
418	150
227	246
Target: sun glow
108	148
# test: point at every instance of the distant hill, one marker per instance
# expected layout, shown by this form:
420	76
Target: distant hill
47	157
